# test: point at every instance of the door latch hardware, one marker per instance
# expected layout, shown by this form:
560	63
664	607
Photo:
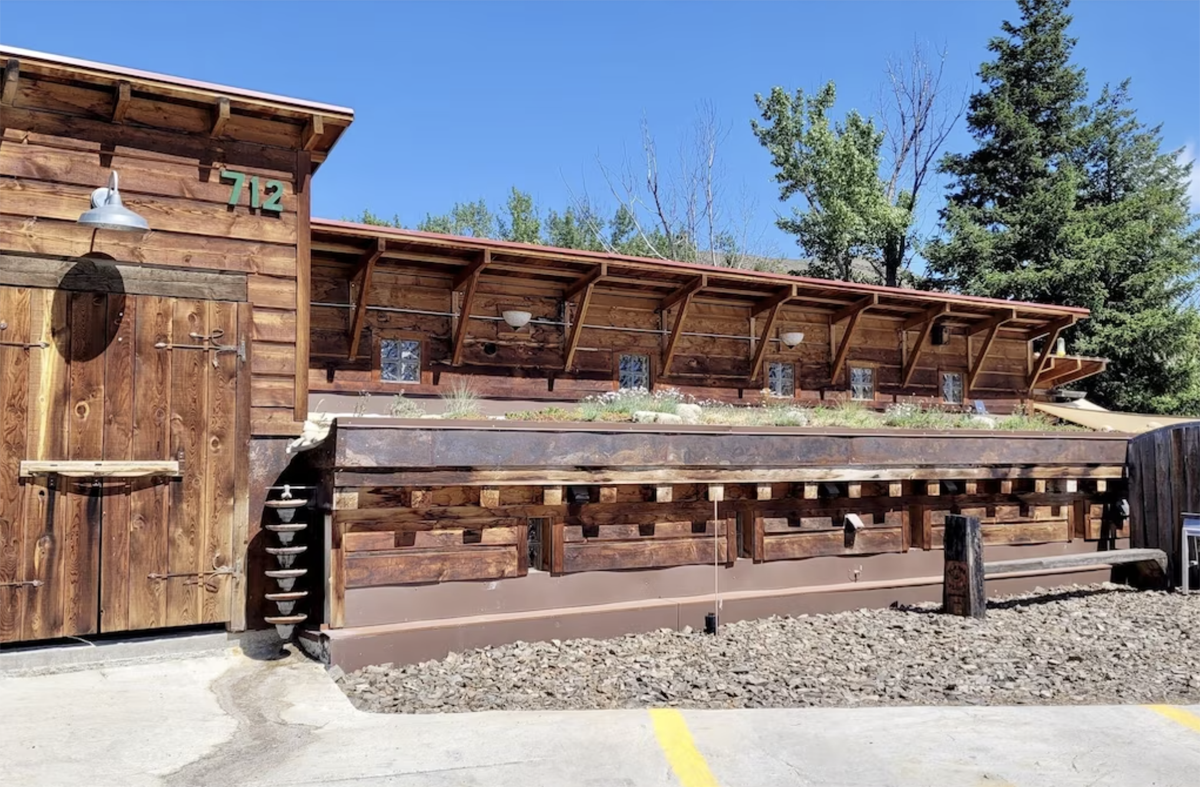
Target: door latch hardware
26	345
37	583
208	343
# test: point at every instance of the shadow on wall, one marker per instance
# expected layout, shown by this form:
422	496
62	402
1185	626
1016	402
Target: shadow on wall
89	307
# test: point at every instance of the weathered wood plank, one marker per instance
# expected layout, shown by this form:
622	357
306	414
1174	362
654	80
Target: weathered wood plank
14	411
118	446
221	448
189	401
814	544
417	566
87	275
618	555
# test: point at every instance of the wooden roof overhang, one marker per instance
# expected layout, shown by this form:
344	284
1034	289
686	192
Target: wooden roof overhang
80	89
665	284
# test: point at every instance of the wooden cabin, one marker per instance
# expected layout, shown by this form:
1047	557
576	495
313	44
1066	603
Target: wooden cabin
153	385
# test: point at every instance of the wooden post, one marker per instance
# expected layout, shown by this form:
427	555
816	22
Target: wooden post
962	580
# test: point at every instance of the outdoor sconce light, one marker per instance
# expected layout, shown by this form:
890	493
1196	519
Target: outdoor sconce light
941	336
107	212
852	522
577	495
791	338
1060	348
516	318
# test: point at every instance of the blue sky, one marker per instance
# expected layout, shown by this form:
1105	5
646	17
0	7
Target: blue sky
456	101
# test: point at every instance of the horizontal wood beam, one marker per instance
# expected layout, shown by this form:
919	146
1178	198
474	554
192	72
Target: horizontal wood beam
313	131
1056	327
927	316
854	309
12	75
684	292
363	272
993	322
92	275
81	468
220	117
595	275
473	270
124	96
776	300
1052	375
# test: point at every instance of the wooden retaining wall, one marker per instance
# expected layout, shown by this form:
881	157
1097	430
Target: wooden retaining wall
1164	482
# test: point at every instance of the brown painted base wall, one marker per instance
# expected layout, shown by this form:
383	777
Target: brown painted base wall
411	624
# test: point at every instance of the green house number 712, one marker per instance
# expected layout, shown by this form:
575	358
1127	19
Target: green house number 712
268	200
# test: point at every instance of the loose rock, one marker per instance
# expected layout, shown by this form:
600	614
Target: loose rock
1078	645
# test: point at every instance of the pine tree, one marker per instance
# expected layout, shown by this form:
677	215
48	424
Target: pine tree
1135	228
1006	221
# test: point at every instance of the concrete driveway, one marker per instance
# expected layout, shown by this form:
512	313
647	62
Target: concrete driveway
231	720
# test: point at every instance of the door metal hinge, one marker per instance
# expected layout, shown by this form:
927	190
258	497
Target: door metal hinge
208	343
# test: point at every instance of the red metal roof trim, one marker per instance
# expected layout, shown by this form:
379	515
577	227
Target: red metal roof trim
374	231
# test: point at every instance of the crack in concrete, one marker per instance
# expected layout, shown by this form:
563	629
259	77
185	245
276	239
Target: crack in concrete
250	693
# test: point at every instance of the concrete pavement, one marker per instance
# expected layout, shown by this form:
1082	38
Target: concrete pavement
231	720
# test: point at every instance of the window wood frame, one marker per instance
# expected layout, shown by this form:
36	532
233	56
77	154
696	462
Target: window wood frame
425	376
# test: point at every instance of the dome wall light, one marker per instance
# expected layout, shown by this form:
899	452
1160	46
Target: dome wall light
108	213
516	318
1060	347
791	338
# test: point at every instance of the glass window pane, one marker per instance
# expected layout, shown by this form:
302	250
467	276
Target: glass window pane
781	379
400	360
952	388
862	383
634	371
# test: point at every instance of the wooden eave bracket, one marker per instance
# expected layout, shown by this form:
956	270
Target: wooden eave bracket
778	299
364	271
926	321
853	313
1059	375
124	97
1051	331
684	298
470	286
473	270
12	75
313	131
992	326
684	293
593	277
584	289
220	116
760	351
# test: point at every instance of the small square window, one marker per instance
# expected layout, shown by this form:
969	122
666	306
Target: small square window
952	387
862	383
634	372
781	379
400	360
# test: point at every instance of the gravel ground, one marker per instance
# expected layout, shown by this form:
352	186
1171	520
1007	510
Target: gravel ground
1082	644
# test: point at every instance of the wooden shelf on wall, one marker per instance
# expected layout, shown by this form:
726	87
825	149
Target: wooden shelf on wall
100	469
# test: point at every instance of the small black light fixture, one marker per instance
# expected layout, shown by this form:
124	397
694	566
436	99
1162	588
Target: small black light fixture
578	495
941	335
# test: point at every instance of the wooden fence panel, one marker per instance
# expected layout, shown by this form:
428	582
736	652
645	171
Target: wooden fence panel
1164	482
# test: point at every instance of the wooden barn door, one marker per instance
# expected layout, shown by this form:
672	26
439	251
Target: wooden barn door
118	378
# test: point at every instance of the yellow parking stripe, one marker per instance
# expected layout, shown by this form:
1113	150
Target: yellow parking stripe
1179	715
676	741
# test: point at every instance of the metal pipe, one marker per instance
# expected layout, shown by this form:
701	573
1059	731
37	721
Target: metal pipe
542	321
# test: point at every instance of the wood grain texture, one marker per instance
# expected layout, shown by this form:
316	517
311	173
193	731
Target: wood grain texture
221	448
189	401
14	401
424	565
118	446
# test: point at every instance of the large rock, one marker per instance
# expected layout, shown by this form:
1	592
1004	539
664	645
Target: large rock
690	413
669	418
650	417
982	422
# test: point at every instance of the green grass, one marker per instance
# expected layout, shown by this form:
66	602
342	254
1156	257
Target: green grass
461	402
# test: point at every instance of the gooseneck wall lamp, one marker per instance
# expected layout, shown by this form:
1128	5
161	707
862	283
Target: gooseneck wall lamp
107	212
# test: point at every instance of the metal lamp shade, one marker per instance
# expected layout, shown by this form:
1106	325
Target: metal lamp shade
791	338
516	318
107	212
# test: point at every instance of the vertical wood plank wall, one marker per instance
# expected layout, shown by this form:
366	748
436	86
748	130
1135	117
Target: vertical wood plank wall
1164	483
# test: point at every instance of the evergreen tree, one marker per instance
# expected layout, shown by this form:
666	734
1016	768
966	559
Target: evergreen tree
1006	221
1135	229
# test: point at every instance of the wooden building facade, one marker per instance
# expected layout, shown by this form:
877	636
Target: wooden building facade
151	384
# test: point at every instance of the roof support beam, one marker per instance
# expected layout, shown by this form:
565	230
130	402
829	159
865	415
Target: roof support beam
853	309
1051	331
760	352
12	75
220	117
366	267
469	287
987	325
473	270
992	327
929	315
910	368
313	131
124	96
778	299
1056	375
597	273
585	298
684	293
677	328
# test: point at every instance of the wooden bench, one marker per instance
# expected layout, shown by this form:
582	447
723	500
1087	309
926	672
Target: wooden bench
964	570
